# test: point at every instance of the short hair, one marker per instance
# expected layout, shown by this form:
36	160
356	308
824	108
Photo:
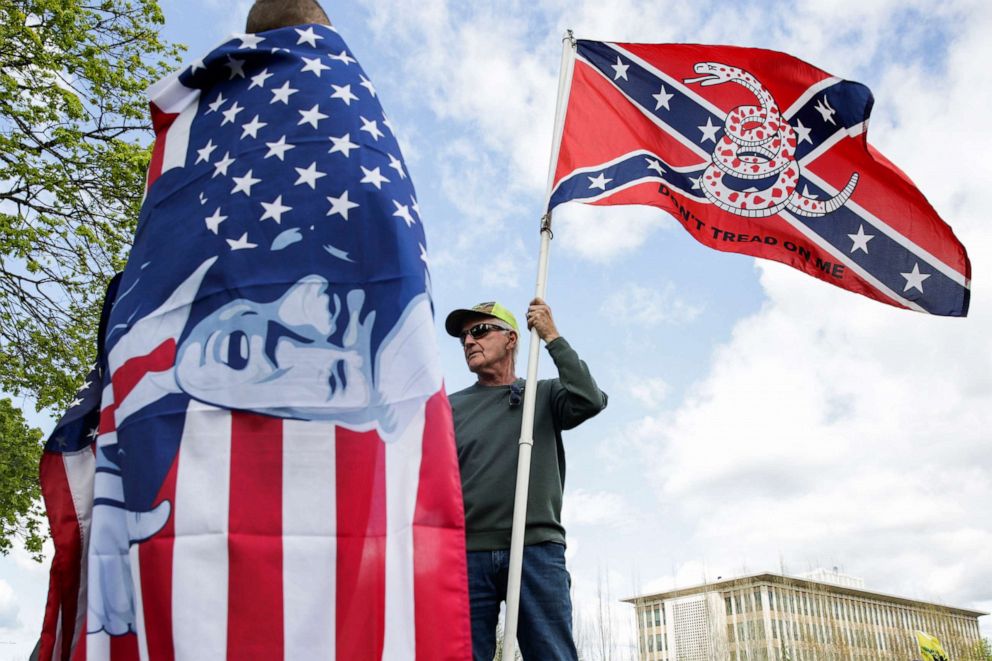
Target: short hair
271	14
505	327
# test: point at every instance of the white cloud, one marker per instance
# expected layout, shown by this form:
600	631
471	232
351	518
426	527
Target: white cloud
596	508
649	392
642	437
693	572
857	435
26	563
602	234
9	609
506	266
635	306
480	65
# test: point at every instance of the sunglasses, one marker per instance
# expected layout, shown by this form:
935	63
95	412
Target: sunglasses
479	331
516	394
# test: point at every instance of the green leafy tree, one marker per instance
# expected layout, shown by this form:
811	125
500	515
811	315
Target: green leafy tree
20	514
74	147
983	650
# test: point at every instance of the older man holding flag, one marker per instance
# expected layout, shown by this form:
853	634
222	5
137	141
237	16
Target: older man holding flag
488	416
753	151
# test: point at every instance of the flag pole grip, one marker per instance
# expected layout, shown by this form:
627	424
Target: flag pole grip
530	392
523	466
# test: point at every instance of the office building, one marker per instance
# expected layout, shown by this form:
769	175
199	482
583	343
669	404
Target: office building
769	617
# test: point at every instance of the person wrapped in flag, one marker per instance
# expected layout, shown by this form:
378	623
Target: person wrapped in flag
275	467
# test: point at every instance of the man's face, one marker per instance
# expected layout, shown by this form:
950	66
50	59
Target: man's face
490	350
278	355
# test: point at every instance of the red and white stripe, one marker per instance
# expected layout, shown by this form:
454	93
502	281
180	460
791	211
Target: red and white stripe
173	107
296	539
67	487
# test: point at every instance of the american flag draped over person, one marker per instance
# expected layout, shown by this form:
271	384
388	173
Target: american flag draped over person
66	474
275	474
756	152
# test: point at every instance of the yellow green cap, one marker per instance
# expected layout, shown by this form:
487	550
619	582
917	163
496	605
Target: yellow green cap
456	319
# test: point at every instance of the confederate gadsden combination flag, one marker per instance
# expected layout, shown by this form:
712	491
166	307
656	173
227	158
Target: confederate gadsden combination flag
756	152
274	472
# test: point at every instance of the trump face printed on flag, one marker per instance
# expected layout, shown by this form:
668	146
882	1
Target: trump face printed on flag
279	358
275	469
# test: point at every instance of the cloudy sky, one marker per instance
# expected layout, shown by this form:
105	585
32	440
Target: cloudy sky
759	419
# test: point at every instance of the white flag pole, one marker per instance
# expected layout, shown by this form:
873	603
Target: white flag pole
530	392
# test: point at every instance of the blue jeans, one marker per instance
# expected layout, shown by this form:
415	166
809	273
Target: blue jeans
544	628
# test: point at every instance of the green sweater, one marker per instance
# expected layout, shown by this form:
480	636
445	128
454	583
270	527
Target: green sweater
487	433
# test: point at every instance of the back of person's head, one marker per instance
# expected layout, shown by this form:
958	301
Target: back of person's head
271	14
